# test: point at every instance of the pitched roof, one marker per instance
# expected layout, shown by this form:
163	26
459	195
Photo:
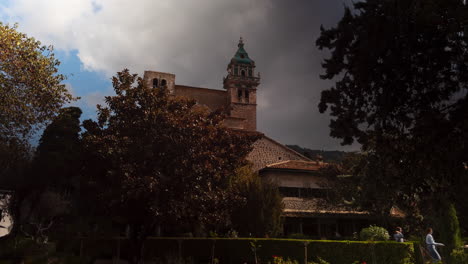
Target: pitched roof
302	165
287	148
295	206
303	207
241	55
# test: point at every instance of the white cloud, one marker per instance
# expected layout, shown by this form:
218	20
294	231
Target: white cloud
166	35
70	89
93	99
195	39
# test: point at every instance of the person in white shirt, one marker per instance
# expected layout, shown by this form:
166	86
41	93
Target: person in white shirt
431	246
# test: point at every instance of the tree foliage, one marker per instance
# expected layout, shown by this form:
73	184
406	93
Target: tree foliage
259	214
58	155
156	160
401	71
30	87
374	233
43	193
449	231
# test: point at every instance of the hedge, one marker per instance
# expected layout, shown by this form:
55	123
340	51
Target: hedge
240	250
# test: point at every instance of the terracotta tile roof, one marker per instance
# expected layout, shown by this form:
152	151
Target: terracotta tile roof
297	165
303	207
396	212
295	206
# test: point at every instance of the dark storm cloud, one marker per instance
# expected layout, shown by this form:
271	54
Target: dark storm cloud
195	40
283	46
290	64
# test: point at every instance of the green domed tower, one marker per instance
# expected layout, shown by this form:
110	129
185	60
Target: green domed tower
241	85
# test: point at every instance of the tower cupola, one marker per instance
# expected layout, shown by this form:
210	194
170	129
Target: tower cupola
241	85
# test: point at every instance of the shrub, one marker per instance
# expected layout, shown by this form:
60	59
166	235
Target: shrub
374	233
297	236
319	261
263	204
240	250
280	260
458	256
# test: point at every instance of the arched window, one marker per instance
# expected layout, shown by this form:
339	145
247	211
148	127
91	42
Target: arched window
236	71
163	82
155	83
239	95
250	72
246	95
243	73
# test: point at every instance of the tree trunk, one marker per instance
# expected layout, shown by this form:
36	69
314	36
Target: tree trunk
15	213
138	236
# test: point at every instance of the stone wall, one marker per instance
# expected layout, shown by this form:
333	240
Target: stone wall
213	99
247	112
168	78
284	178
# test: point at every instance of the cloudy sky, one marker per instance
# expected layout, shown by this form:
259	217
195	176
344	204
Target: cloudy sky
195	40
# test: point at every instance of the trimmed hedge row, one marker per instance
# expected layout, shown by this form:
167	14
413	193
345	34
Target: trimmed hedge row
240	250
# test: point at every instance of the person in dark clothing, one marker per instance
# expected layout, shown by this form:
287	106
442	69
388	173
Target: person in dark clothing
398	236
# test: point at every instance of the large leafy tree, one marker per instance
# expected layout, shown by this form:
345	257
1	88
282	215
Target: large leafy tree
259	214
44	192
31	92
401	91
58	154
159	161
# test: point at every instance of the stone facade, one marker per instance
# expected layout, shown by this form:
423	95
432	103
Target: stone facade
296	176
293	179
238	100
159	79
213	99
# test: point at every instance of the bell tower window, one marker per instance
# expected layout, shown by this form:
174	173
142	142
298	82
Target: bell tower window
236	71
247	96
163	82
239	95
250	72
243	73
155	83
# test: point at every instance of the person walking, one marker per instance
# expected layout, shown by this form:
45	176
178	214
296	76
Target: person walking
431	246
398	236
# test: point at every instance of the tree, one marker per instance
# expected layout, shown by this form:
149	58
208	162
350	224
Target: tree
154	160
44	191
259	214
58	154
401	70
449	230
31	92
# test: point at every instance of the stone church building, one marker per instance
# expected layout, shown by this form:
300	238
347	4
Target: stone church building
295	174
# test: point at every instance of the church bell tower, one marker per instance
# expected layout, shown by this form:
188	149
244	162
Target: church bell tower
241	86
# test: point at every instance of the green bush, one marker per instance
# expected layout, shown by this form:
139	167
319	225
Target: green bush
319	261
21	247
240	250
344	252
374	233
297	236
417	244
280	260
458	256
